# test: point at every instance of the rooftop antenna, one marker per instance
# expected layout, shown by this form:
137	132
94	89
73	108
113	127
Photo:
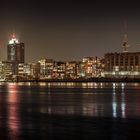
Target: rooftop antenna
125	44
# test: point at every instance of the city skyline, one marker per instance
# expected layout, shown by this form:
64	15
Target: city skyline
69	31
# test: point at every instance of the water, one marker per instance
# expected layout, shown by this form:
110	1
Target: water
69	111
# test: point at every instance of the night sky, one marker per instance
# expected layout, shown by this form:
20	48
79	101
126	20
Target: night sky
69	30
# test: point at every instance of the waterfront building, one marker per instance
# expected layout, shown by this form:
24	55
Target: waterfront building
46	68
125	64
81	70
21	69
59	70
35	70
71	69
6	70
92	67
27	69
89	66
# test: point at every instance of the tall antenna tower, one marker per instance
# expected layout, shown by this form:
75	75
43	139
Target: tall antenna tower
125	44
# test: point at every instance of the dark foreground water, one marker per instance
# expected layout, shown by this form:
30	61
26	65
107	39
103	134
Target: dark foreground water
69	111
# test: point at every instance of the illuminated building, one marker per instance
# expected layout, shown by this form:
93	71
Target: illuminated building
59	70
20	69
126	64
35	70
71	69
27	69
15	50
46	68
15	53
92	67
6	70
81	70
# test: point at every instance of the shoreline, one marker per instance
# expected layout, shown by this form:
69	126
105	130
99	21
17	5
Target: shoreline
81	80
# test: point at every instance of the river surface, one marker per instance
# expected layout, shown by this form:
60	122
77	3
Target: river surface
69	111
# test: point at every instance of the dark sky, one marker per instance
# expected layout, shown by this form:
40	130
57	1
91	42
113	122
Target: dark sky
69	30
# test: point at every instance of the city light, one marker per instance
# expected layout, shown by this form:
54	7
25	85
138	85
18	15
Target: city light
14	40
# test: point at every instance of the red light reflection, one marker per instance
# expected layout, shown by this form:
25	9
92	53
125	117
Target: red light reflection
13	109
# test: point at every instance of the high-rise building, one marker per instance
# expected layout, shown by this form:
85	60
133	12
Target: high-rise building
15	53
15	50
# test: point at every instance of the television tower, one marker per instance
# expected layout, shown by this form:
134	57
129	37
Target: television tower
125	44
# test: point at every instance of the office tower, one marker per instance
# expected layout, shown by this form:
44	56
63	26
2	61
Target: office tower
15	53
15	50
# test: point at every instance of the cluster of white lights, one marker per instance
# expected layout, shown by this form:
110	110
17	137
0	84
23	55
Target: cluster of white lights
13	41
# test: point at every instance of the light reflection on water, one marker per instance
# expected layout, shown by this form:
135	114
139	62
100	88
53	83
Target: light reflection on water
28	104
87	99
13	111
114	102
123	104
